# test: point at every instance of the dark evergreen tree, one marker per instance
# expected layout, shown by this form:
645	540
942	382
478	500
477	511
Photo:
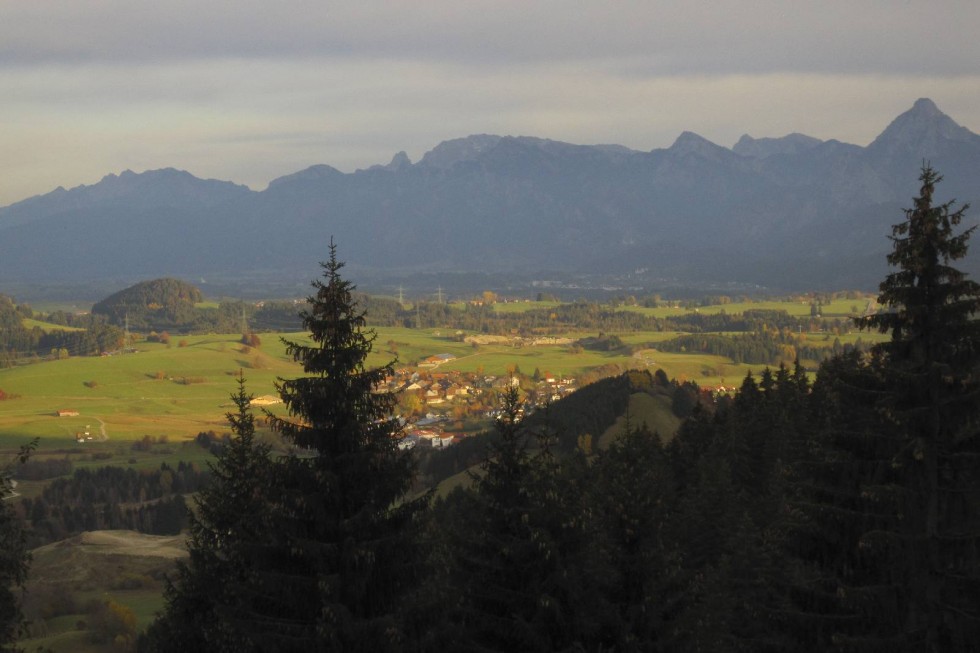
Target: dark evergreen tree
516	552
631	499
726	530
932	399
892	528
344	554
14	560
207	606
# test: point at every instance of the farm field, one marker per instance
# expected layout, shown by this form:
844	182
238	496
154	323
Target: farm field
179	390
175	391
841	308
47	326
837	308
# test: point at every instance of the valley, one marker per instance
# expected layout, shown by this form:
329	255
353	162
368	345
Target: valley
180	388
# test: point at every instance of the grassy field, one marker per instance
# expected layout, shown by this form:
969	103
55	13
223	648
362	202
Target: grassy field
173	391
834	309
178	391
839	308
182	389
48	326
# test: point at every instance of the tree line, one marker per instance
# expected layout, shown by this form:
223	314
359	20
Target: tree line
760	347
110	498
19	343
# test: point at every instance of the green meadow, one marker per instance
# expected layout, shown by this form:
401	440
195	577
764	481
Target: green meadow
48	326
180	389
654	412
173	391
838	308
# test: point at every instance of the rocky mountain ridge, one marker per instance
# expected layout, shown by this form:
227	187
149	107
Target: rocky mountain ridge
783	212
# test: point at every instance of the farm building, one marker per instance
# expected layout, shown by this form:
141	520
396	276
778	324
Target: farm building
265	400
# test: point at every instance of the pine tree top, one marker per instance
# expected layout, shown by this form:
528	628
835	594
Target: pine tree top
929	303
335	408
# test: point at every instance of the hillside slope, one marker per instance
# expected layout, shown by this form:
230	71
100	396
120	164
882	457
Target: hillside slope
66	577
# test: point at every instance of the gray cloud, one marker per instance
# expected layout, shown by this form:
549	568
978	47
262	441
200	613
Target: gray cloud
658	38
248	91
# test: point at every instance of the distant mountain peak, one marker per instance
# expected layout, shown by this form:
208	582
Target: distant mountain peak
691	143
926	106
923	129
400	160
448	153
764	147
314	173
518	206
166	187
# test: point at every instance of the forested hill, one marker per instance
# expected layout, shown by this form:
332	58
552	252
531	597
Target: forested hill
786	212
159	303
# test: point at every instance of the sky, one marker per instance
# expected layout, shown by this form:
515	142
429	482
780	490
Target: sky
250	91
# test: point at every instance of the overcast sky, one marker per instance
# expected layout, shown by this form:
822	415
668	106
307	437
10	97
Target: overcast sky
248	91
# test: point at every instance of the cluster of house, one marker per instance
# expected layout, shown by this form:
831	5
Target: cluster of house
439	392
429	434
432	386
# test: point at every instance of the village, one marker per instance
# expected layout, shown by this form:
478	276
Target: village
439	408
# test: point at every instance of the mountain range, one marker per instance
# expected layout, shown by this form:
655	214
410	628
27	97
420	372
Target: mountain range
786	213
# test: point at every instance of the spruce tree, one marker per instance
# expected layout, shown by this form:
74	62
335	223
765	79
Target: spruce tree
206	606
631	499
932	399
344	554
727	528
14	559
515	551
891	528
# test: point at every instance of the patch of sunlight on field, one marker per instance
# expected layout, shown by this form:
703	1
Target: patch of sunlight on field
523	306
47	327
88	567
838	308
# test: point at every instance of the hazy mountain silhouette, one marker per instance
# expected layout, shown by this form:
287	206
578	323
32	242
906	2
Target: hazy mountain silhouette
784	212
